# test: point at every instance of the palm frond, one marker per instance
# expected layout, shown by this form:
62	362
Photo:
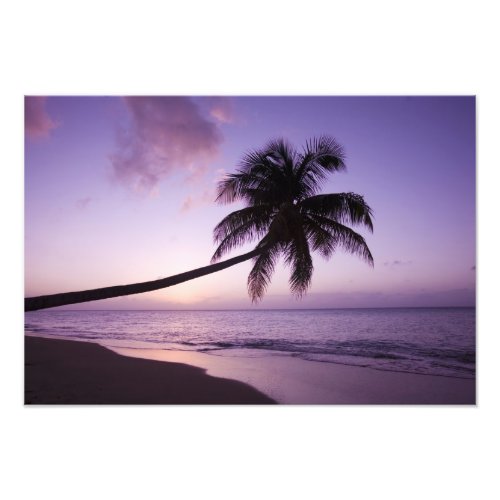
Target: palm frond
259	179
321	156
298	257
345	237
307	186
239	227
346	208
228	189
262	271
322	241
252	171
234	186
282	154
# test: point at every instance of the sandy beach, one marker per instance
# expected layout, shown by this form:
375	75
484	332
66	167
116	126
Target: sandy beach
69	372
72	372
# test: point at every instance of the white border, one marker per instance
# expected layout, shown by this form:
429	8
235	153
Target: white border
383	47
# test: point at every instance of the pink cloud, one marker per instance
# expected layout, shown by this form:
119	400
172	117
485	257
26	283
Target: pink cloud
207	197
37	122
163	134
221	108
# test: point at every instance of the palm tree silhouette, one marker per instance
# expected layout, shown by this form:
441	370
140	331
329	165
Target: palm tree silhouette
279	186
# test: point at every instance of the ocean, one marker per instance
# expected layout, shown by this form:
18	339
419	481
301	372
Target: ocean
433	341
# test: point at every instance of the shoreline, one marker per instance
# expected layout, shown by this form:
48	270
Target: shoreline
281	379
129	348
291	380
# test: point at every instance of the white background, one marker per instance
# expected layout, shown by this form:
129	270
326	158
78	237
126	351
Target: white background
263	47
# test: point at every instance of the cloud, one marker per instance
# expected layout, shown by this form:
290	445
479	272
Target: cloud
221	108
205	198
163	134
398	263
37	122
458	297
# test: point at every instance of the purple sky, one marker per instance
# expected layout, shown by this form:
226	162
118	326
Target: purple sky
120	190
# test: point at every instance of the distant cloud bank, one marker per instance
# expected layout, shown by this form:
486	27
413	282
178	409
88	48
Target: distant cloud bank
37	122
164	134
398	263
459	297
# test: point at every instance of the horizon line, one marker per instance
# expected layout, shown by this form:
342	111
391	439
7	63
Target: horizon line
264	309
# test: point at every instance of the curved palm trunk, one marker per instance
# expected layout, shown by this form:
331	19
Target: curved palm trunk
61	299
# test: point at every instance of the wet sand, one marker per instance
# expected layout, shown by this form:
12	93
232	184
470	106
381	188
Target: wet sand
291	380
70	372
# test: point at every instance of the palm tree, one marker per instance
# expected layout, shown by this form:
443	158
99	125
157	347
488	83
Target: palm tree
279	186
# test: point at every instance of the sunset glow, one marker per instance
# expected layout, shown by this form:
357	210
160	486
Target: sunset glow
122	189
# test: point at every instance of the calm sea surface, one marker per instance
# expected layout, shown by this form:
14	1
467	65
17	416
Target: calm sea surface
438	341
